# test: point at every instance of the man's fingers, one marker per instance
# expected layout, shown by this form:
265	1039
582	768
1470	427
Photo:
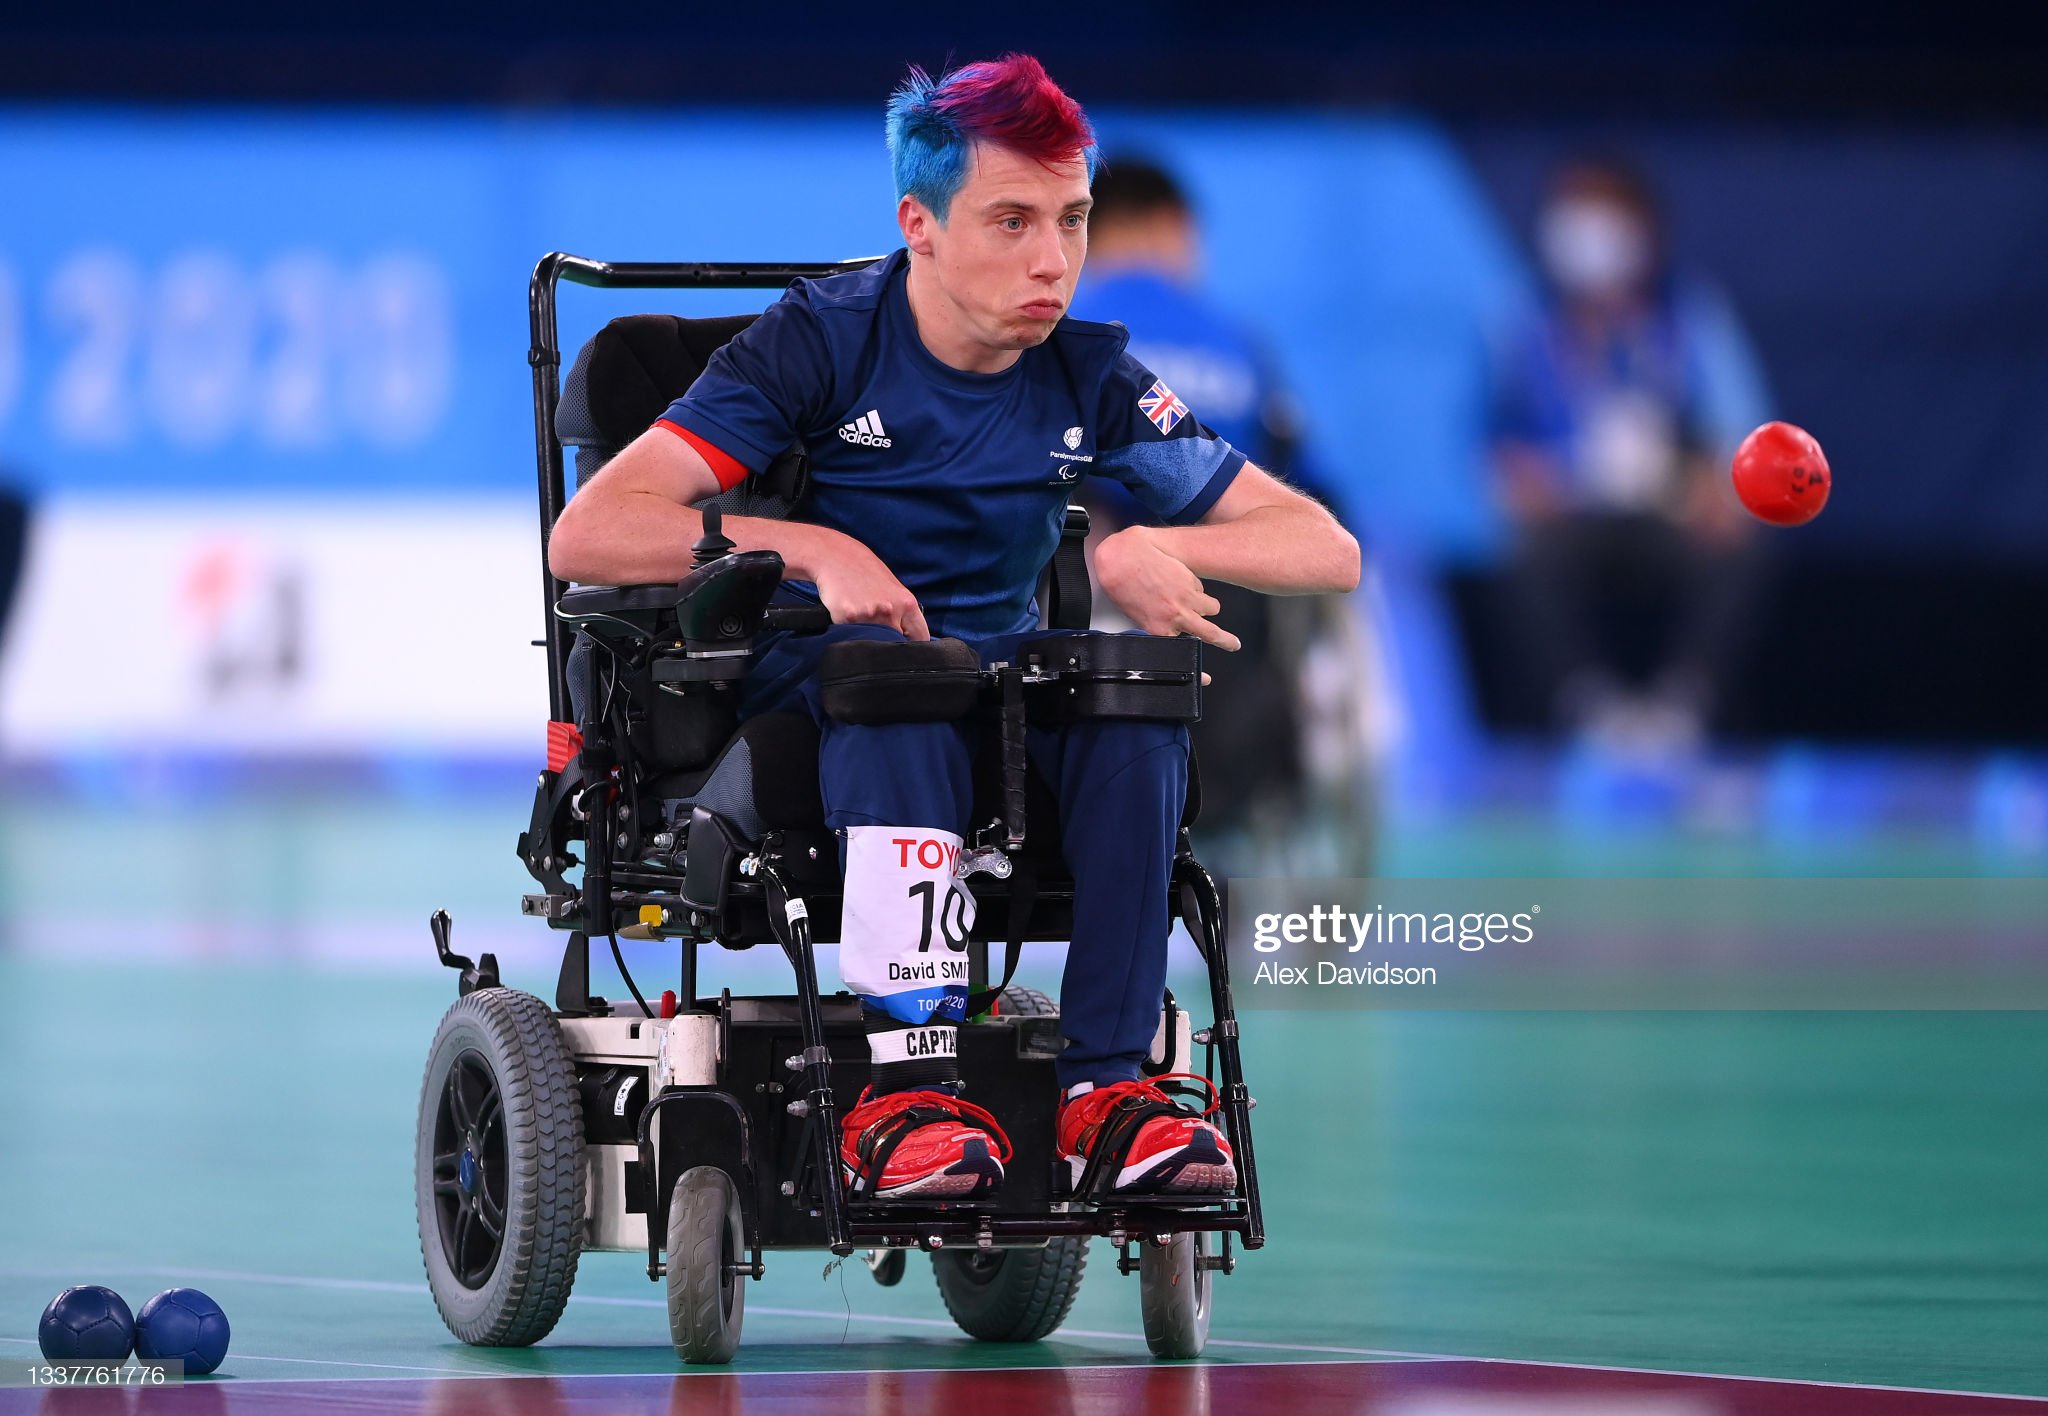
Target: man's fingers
912	623
1208	605
1209	632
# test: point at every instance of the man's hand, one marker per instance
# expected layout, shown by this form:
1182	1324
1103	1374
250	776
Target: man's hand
1158	593
858	589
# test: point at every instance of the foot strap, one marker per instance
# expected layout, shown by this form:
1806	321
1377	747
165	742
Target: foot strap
1114	1137
879	1141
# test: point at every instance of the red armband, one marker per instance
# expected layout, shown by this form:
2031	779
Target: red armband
729	471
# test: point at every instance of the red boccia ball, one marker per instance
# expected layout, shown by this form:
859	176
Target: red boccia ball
1782	475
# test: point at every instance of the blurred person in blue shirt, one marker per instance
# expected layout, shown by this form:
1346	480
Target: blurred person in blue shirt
1619	405
1144	272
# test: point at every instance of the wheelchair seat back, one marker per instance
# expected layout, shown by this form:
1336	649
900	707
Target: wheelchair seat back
627	375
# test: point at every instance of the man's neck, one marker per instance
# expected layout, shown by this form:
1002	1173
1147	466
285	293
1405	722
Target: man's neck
1599	316
941	331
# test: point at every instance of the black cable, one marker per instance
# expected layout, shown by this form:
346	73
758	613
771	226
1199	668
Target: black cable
611	664
773	885
620	959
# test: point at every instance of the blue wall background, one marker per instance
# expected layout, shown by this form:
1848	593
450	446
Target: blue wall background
291	300
283	302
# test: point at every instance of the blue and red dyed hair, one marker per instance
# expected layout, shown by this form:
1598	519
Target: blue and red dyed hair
1010	102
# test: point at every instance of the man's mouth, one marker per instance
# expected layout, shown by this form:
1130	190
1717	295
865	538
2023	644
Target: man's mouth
1043	310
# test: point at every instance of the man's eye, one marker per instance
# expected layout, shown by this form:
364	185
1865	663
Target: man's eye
1013	223
1076	221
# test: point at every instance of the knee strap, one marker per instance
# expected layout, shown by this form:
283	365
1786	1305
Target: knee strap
1076	677
885	681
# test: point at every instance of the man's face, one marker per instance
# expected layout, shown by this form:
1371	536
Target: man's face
1596	240
1011	248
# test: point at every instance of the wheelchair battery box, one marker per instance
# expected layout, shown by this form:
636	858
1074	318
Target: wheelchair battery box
1072	677
895	681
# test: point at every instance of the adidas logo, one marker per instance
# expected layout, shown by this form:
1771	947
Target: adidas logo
866	430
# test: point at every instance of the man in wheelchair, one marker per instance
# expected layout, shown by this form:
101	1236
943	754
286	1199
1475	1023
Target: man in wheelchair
949	408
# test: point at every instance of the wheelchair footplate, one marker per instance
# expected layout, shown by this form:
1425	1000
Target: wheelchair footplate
1012	1076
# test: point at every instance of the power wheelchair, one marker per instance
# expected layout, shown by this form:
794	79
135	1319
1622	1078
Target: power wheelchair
703	1129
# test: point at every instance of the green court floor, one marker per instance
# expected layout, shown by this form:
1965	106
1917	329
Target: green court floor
1852	1197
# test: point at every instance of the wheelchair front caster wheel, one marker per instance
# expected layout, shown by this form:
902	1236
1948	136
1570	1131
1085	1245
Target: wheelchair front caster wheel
887	1266
1173	1288
707	1242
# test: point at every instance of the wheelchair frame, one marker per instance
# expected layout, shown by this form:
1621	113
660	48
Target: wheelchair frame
763	883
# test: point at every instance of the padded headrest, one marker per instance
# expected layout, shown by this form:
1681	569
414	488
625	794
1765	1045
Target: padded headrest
631	370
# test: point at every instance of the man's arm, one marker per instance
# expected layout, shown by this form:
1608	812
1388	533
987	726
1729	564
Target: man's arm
635	522
1259	534
1266	536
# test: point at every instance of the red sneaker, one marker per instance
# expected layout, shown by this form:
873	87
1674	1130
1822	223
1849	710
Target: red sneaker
926	1144
1138	1139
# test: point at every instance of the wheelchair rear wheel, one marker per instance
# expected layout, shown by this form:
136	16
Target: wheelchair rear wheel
707	1241
1013	1295
498	1169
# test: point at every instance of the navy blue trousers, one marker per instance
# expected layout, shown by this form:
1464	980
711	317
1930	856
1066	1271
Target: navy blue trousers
1121	786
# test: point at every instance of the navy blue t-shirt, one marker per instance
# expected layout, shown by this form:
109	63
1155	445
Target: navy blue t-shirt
957	481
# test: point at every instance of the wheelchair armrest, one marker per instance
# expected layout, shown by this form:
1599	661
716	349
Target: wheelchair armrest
717	603
639	610
698	632
622	602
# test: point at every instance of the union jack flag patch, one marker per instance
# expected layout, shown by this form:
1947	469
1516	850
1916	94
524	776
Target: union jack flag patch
1159	404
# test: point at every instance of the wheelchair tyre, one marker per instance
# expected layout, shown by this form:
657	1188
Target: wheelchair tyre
1013	1295
707	1239
498	1169
1173	1289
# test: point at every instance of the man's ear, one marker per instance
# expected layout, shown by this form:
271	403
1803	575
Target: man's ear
916	221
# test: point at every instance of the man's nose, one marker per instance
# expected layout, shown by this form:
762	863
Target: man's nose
1048	255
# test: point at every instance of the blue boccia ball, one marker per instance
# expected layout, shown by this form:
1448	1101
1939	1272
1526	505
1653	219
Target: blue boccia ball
86	1324
182	1323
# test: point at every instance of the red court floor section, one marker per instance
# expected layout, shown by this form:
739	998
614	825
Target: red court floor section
1420	1388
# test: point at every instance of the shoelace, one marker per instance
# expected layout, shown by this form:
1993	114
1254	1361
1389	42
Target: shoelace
897	1114
1148	1090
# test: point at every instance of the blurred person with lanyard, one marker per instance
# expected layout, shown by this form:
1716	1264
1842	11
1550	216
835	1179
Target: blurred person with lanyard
1144	273
1621	400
